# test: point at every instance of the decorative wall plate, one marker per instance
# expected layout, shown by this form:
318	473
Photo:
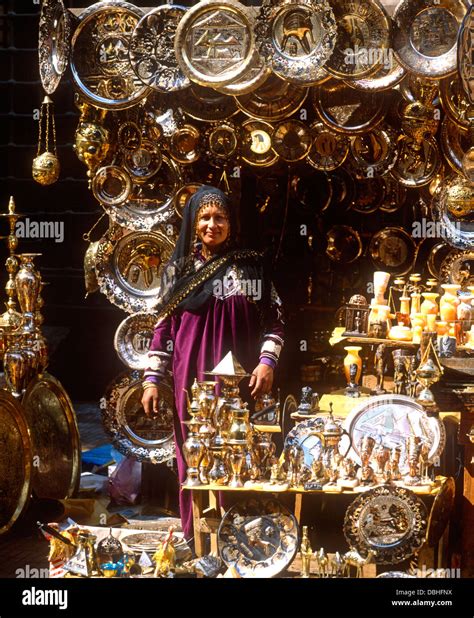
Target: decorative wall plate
133	433
258	538
453	207
425	35
185	144
55	440
440	512
144	161
152	49
395	195
275	100
329	149
214	42
296	37
391	419
374	153
465	63
343	244
129	266
182	196
133	338
313	191
129	136
390	521
305	435
256	147
363	38
347	110
54	43
458	267
416	164
256	75
206	104
99	59
369	195
222	143
291	140
16	461
455	142
436	258
393	250
455	101
111	185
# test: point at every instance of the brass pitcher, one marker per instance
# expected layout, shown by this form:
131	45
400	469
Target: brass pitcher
193	450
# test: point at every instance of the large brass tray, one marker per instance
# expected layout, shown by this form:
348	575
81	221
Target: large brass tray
54	43
16	466
54	438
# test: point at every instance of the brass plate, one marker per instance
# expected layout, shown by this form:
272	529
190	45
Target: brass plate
395	195
425	35
143	162
133	433
363	38
291	140
416	164
296	37
133	339
347	110
206	104
455	143
458	267
374	153
99	59
259	538
416	89
329	149
16	463
436	258
390	521
453	207
369	195
214	42
222	143
343	244
129	266
55	440
253	78
185	144
152	49
465	61
440	512
455	101
256	147
393	250
54	43
111	185
182	196
275	100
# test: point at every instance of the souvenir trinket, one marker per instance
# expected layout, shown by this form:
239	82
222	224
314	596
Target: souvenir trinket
46	166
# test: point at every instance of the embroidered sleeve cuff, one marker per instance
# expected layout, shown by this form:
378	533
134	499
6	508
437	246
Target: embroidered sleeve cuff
271	348
157	365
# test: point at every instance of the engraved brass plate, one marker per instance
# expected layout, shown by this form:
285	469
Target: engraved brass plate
393	250
133	433
253	78
416	164
291	140
143	162
343	244
182	196
453	207
465	60
455	101
99	59
214	42
54	43
374	153
16	463
275	100
111	185
395	195
329	149
455	143
133	338
256	147
458	267
185	144
206	104
369	195
152	49
55	438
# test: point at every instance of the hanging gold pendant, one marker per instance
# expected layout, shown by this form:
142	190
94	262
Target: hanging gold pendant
46	166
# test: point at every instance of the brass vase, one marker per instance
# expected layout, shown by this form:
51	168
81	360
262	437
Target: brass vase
193	450
15	366
219	472
236	459
28	284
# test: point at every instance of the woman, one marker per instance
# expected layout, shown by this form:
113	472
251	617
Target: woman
214	298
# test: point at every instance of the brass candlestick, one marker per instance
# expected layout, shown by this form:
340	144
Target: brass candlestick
11	319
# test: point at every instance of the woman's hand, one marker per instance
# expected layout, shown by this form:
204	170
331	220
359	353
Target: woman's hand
261	380
150	400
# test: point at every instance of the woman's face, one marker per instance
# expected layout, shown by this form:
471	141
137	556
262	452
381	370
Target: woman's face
212	227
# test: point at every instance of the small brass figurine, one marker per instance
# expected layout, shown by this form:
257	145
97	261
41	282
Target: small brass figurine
306	554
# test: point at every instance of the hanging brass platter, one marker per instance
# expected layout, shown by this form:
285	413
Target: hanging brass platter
453	207
393	250
257	73
143	162
214	42
152	49
455	101
416	164
425	35
99	59
183	194
374	153
455	143
343	244
369	194
129	266
395	195
206	104
291	140
436	258
296	37
185	144
256	146
465	60
440	512
363	38
222	141
55	441
347	110
275	100
329	149
54	43
133	433
16	461
458	268
133	338
111	185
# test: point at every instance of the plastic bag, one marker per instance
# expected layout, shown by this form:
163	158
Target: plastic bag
125	482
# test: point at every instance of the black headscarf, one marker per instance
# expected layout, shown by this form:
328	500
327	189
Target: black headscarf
183	287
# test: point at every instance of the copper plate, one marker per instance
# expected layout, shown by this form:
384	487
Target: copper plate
291	140
152	49
183	195
206	104
55	441
133	338
329	149
54	43
465	61
393	250
275	100
256	147
440	512
458	267
348	110
99	59
214	42
129	266
343	244
133	433
16	463
390	521
425	35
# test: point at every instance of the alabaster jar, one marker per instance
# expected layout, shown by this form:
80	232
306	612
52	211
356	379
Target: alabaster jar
449	302
418	322
352	358
400	332
429	304
464	310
